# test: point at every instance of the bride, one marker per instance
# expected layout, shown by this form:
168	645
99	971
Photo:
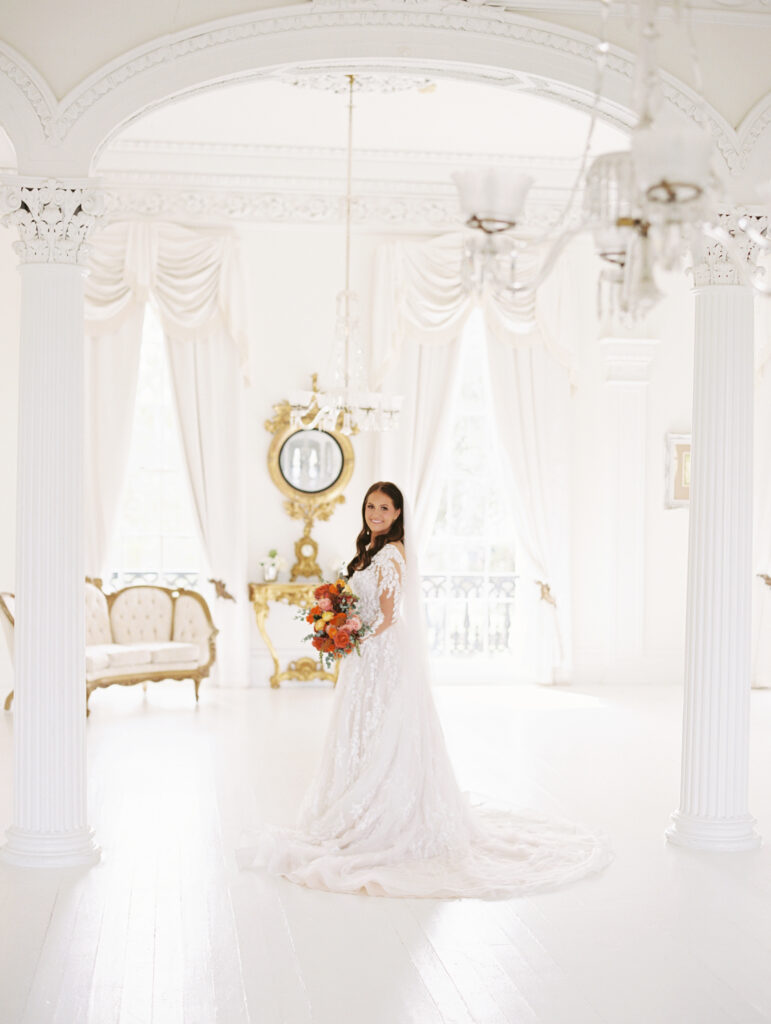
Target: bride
384	814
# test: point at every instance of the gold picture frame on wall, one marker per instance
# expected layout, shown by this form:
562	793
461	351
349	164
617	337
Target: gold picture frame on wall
311	468
678	470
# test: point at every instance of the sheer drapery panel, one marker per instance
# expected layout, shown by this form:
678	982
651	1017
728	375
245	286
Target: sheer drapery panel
194	279
420	307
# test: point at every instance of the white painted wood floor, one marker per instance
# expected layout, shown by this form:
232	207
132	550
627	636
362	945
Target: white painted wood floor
167	931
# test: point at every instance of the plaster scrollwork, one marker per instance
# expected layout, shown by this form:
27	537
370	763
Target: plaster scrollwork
429	212
330	80
718	264
53	218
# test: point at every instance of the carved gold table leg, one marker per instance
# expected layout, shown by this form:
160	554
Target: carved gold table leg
299	595
262	611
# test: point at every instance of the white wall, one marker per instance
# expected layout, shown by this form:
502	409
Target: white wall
664	532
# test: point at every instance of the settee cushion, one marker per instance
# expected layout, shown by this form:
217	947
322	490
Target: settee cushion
119	655
164	653
96	659
141	614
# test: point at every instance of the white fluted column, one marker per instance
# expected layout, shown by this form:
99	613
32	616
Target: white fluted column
713	812
627	362
50	824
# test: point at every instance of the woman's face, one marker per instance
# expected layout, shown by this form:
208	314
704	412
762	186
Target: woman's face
379	513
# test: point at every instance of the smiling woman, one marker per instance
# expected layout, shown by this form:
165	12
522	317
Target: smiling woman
384	814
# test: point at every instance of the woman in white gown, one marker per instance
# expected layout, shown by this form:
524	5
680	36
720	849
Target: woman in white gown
384	814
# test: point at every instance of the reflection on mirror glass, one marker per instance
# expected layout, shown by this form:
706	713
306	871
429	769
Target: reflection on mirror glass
310	460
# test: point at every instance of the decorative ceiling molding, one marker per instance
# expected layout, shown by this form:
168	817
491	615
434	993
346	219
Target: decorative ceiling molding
338	14
420	210
740	13
112	87
338	82
426	15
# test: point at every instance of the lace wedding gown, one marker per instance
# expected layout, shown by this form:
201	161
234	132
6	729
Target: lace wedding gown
384	814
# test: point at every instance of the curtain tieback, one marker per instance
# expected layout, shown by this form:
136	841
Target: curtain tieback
221	590
546	594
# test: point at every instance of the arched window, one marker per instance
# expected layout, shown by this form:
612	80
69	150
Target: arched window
155	540
469	568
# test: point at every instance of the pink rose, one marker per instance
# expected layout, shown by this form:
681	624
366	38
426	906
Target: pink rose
325	604
353	623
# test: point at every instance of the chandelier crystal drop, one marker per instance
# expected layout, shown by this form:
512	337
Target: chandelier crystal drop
348	405
645	207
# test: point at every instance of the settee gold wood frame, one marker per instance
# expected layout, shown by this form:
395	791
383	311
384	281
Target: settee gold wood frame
6	612
196	675
300	504
301	596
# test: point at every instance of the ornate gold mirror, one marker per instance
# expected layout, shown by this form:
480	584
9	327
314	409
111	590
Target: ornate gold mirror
311	468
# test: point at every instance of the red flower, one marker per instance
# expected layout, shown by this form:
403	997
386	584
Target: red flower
317	642
343	639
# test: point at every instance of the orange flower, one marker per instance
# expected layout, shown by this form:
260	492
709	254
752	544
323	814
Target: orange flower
331	631
339	619
320	591
315	610
343	639
317	641
333	588
309	618
328	646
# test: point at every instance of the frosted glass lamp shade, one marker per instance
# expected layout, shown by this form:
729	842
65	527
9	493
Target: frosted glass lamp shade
494	194
671	160
611	204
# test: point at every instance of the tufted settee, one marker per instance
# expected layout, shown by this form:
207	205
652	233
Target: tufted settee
140	634
145	633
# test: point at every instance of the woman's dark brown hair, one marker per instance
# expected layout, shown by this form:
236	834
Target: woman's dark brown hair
364	553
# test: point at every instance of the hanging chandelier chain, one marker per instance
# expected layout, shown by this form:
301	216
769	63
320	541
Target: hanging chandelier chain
347	405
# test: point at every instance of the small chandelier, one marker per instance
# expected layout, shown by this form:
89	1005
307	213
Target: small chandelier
348	405
644	207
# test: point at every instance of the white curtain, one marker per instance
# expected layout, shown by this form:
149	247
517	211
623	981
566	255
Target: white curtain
419	312
193	275
207	390
114	312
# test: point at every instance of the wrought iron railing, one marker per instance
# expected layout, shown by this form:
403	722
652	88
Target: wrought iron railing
469	614
186	580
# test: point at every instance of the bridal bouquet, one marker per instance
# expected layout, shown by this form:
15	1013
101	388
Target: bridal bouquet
337	630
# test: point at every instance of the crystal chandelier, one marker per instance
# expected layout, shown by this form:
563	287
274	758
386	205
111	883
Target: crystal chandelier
347	406
645	207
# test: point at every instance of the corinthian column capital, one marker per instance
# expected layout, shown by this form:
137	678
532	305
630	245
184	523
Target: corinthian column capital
54	218
718	263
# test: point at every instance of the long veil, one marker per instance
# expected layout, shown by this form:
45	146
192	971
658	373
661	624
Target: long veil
385	814
415	633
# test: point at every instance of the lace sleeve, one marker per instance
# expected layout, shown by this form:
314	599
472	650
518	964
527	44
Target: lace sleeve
389	587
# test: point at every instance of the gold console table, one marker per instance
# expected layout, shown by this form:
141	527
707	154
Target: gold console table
301	596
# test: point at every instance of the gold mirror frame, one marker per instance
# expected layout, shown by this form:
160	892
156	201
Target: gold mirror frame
301	504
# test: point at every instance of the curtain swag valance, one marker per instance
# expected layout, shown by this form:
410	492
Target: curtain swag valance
420	298
193	275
